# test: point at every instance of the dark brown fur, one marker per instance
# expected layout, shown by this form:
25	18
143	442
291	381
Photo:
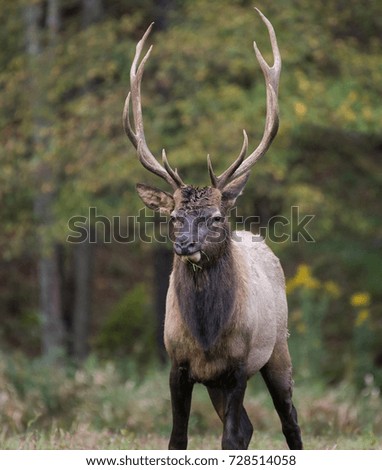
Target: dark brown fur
193	198
206	297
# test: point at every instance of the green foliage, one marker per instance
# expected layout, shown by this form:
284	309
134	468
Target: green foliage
310	301
129	330
317	349
202	86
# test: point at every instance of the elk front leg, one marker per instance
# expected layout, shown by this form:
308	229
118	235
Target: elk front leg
237	430
181	392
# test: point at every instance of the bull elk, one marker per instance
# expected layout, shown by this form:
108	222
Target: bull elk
226	309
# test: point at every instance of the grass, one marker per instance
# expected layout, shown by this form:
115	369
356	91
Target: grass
102	406
84	438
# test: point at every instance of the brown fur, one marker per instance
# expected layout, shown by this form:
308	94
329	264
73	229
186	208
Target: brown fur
190	198
226	315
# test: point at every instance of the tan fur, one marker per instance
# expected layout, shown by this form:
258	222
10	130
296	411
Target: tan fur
258	323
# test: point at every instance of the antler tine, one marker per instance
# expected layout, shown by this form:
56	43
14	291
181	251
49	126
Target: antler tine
272	73
220	181
135	91
213	177
272	78
126	122
137	136
173	173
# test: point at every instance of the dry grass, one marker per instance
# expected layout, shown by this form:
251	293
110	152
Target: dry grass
105	440
98	407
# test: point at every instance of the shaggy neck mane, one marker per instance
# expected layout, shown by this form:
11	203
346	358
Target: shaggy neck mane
206	296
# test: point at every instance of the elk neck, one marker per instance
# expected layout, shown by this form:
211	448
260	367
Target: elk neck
206	297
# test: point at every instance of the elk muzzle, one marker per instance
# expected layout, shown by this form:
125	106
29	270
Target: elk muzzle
189	233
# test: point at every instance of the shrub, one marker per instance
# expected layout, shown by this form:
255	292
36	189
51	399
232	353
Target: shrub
129	331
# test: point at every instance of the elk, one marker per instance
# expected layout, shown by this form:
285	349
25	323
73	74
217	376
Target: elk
226	308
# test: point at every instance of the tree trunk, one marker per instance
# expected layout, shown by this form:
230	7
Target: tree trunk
83	279
92	11
53	332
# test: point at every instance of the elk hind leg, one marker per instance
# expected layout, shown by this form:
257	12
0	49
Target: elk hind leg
219	400
277	374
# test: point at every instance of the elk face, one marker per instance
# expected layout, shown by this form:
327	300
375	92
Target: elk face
199	228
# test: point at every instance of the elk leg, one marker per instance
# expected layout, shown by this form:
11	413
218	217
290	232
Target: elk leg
246	428
181	392
218	399
277	374
235	418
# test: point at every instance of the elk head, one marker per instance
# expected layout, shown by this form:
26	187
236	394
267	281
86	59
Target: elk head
199	228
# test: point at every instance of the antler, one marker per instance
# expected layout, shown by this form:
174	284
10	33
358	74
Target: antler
272	77
137	136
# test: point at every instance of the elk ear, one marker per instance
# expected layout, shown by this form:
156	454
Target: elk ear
233	190
156	199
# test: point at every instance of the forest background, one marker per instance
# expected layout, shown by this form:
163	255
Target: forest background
81	349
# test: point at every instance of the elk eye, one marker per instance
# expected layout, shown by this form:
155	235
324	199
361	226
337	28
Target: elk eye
218	218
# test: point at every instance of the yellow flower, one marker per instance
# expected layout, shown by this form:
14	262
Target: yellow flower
360	299
303	278
362	316
332	288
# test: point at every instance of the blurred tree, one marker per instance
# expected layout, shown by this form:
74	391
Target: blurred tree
53	334
92	11
202	85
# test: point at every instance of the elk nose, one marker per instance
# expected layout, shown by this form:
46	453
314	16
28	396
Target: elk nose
184	248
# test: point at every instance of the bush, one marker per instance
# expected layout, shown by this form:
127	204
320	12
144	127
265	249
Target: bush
129	331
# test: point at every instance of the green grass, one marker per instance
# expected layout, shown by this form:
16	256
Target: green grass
102	406
84	438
